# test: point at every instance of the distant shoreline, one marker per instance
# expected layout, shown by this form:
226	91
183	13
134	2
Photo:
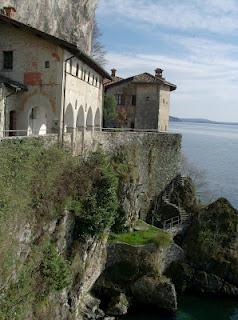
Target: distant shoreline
204	121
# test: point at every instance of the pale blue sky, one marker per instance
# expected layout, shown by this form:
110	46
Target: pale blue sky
194	41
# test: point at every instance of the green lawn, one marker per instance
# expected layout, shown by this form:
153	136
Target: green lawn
151	235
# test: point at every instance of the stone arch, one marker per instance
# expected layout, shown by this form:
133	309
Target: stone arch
37	116
81	118
69	119
89	121
37	121
97	120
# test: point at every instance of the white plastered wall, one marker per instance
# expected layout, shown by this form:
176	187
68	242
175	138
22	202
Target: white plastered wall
164	107
83	96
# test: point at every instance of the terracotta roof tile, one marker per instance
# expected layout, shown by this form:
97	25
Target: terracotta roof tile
142	78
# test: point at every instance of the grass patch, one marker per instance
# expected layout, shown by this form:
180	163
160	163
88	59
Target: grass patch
154	235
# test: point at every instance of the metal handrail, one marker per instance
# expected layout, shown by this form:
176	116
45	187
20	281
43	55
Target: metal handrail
172	223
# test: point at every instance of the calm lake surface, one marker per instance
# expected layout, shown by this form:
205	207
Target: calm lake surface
197	308
213	149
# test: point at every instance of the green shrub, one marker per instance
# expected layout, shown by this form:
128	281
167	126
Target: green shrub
45	272
127	173
54	270
97	203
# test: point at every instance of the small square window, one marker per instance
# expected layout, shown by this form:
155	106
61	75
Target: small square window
7	60
47	64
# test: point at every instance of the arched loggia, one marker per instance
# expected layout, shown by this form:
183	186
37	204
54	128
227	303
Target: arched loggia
89	121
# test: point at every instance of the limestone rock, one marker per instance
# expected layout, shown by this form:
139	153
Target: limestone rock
172	254
141	226
89	309
68	19
211	242
118	305
152	291
212	284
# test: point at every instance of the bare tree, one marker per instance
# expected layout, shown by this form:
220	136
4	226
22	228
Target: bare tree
199	178
98	50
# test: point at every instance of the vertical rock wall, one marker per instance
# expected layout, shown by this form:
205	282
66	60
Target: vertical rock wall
71	20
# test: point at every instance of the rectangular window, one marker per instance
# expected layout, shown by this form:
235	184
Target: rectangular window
33	114
8	60
118	99
133	100
70	66
47	64
77	70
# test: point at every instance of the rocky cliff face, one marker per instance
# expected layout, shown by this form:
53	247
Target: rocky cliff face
71	20
210	244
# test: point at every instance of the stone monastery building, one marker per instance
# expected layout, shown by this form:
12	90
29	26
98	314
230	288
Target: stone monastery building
47	85
143	100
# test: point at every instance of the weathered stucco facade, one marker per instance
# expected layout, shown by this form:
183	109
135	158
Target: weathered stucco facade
63	91
143	101
44	85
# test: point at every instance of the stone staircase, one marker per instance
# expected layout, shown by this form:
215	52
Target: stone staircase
183	217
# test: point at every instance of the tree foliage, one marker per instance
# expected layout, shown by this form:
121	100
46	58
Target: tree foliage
109	110
37	184
98	50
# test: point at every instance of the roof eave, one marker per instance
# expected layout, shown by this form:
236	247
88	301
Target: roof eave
113	84
12	83
60	42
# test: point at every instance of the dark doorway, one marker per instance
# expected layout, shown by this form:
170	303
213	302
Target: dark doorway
12	124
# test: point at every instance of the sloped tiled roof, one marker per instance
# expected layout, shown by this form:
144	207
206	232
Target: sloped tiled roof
114	80
142	78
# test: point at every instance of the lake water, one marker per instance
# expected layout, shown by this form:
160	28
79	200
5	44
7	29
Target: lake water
196	308
213	149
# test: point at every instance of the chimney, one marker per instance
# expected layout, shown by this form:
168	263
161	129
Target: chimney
10	12
159	73
113	74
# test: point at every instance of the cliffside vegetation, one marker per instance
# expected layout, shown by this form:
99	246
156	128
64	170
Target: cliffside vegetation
145	234
37	185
